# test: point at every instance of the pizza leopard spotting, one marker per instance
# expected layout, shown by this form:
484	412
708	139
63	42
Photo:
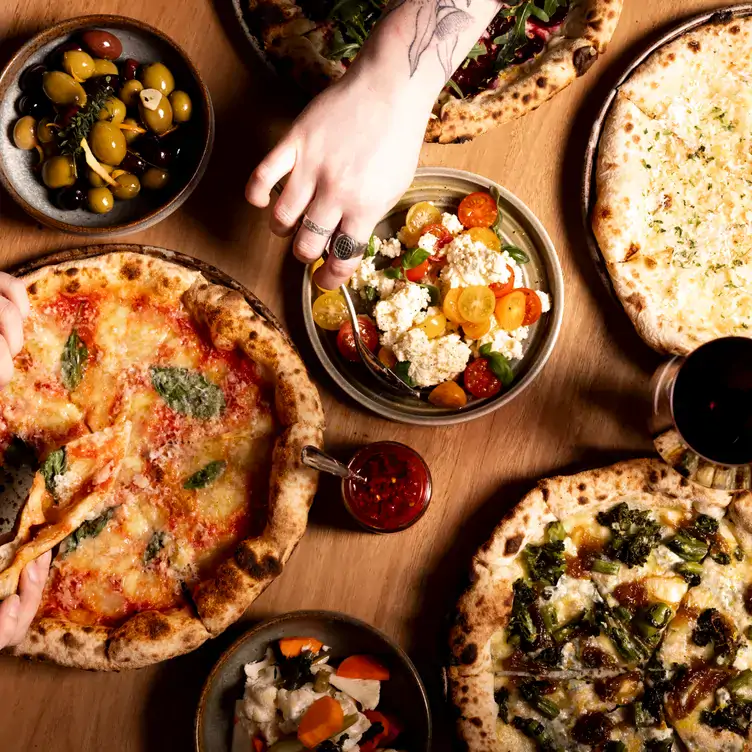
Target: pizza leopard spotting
610	611
530	51
168	418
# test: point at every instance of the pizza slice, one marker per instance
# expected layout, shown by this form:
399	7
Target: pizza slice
71	494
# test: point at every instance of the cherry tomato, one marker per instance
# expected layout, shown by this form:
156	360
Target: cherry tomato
451	311
477	210
434	325
417	272
486	236
520	307
476	331
533	306
443	238
420	215
500	289
330	310
480	380
346	339
408	238
448	394
387	357
476	303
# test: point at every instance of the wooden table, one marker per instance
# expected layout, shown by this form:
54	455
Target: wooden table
588	408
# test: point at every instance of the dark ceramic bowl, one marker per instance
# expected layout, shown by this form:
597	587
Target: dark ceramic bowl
145	44
403	695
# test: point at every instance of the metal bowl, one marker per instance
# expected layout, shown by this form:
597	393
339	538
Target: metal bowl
141	42
404	693
446	187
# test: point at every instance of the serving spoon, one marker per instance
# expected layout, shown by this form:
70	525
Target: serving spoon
372	363
314	458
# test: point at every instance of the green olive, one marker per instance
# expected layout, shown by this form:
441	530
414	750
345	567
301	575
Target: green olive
182	107
51	149
78	64
131	135
155	178
24	133
45	134
94	180
107	142
128	186
129	92
159	120
158	76
104	67
57	172
113	110
62	89
100	200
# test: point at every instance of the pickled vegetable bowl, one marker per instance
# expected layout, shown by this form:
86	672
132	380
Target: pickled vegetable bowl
103	127
443	303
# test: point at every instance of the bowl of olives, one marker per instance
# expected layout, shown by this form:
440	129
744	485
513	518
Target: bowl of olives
107	126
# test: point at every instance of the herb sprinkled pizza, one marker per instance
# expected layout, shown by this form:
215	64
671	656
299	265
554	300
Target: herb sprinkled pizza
530	51
167	418
610	611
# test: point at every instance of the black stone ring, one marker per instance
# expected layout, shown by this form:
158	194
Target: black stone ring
344	247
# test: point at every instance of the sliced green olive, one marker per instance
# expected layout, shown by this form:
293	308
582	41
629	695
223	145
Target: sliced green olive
58	172
62	89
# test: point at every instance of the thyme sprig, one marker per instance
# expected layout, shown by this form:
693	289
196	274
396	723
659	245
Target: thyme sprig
81	123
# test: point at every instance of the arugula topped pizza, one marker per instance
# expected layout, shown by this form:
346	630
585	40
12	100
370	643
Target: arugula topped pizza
611	611
530	51
167	418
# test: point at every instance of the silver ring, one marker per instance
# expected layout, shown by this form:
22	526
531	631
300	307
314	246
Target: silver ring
345	247
309	224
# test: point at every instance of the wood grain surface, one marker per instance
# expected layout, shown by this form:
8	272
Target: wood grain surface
588	408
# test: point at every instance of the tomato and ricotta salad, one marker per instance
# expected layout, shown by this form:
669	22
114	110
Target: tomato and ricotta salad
295	699
444	302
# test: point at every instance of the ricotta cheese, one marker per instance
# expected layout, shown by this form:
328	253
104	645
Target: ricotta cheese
428	242
545	301
470	262
366	275
509	344
452	223
397	313
390	248
432	360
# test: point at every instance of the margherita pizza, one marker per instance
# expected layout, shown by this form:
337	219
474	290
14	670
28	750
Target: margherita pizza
530	51
674	189
610	611
168	419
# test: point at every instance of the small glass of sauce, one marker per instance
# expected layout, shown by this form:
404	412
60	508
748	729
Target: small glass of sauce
396	491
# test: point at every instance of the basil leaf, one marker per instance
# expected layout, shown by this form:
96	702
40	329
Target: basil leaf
452	85
541	15
371	247
154	546
500	366
478	50
187	392
55	464
73	361
414	257
485	350
401	369
206	475
516	253
393	272
433	291
89	529
496	227
369	293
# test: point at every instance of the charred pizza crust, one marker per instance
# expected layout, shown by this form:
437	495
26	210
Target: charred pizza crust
150	636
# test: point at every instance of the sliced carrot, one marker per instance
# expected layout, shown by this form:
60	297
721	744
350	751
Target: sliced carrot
258	745
292	646
362	667
323	719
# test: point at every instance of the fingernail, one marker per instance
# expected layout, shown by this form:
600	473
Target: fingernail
32	572
14	603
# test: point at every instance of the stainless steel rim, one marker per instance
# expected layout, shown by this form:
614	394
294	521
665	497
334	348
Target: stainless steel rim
555	281
591	152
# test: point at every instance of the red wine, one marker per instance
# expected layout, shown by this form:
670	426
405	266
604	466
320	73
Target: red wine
712	401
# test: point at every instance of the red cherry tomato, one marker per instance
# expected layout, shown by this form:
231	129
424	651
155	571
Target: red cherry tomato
480	380
533	307
417	272
443	238
346	339
477	210
500	289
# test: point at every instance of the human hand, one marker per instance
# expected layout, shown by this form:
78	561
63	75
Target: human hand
14	308
351	155
17	611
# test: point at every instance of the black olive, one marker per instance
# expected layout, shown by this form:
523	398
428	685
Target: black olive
34	106
66	115
70	198
134	163
109	82
129	69
154	152
175	144
31	78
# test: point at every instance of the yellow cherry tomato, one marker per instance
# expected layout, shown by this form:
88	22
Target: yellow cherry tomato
451	327
510	310
449	306
476	331
476	303
317	264
330	310
420	215
448	394
387	357
486	236
434	325
408	238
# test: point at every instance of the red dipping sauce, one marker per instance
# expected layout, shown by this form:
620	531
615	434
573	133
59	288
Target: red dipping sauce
397	488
